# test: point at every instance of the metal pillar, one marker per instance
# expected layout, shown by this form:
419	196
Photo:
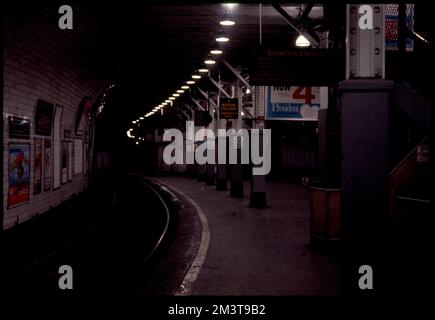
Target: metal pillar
210	167
236	170
221	168
258	182
364	105
365	49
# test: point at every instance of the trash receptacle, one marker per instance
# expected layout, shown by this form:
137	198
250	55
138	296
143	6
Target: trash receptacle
325	214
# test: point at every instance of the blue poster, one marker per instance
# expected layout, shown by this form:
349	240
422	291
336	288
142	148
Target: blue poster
294	102
19	174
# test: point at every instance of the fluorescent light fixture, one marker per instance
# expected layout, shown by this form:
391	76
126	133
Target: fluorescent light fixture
230	5
185	87
171	98
190	82
203	70
141	118
248	91
175	95
168	101
209	60
196	76
180	91
301	41
134	121
216	51
227	20
222	37
137	142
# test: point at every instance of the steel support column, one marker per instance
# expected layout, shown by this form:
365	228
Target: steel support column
364	105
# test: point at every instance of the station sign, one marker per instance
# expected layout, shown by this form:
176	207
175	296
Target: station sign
229	108
297	66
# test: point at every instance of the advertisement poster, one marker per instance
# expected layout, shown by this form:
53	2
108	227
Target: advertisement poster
64	162
37	167
392	26
43	118
78	156
48	171
19	128
70	160
19	174
295	102
83	115
57	147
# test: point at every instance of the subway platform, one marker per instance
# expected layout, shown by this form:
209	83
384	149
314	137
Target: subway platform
249	251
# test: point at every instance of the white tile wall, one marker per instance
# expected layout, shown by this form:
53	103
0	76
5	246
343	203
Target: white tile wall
42	62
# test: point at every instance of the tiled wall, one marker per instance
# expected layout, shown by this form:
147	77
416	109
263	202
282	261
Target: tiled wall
43	62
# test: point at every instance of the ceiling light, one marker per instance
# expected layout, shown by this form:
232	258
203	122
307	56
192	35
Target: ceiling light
203	70
196	76
216	51
171	98
301	41
185	87
230	5
134	121
164	103
190	82
222	37
141	118
137	142
209	60
167	101
180	91
227	20
175	95
248	91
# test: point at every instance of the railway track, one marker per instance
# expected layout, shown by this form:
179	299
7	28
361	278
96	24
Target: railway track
110	255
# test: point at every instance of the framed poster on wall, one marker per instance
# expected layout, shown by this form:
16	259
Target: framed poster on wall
48	168
19	174
37	167
64	162
70	160
78	156
297	103
19	128
57	147
83	115
43	118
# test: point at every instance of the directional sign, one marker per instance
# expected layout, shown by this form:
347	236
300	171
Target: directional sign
229	108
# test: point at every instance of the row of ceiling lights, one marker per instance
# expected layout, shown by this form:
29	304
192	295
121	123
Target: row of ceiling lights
209	61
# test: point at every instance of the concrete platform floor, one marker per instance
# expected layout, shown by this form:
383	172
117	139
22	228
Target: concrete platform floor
258	251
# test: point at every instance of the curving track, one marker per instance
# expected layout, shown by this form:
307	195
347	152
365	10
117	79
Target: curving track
109	242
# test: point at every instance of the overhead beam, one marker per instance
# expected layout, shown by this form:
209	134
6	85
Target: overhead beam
306	12
205	95
236	73
197	103
219	87
293	23
185	114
